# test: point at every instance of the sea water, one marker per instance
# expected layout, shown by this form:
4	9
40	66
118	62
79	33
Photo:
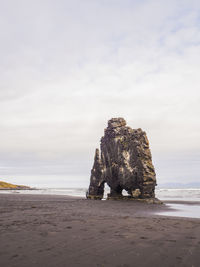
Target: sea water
186	194
179	194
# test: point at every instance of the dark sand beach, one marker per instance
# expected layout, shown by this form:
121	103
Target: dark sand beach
43	230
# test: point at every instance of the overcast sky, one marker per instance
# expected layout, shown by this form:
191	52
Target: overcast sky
66	67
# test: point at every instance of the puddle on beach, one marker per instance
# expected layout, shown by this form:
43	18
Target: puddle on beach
182	210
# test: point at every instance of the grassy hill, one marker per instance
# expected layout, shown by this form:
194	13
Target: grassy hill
4	185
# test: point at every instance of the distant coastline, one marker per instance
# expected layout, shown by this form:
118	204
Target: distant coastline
8	186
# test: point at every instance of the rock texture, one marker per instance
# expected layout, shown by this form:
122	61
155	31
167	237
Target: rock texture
125	162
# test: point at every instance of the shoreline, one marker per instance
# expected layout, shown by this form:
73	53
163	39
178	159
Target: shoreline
60	230
168	208
164	201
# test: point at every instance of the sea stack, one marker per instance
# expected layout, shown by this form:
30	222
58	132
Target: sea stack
125	162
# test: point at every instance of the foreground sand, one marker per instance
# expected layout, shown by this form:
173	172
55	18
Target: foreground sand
46	231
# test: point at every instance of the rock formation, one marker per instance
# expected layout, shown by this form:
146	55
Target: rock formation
124	163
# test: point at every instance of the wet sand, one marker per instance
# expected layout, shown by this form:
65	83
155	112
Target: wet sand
43	230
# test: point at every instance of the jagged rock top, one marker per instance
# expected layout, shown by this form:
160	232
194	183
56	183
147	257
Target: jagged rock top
116	122
117	127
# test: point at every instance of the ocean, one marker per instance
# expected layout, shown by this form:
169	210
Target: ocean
179	194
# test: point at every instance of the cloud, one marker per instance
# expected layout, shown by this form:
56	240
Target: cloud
67	67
